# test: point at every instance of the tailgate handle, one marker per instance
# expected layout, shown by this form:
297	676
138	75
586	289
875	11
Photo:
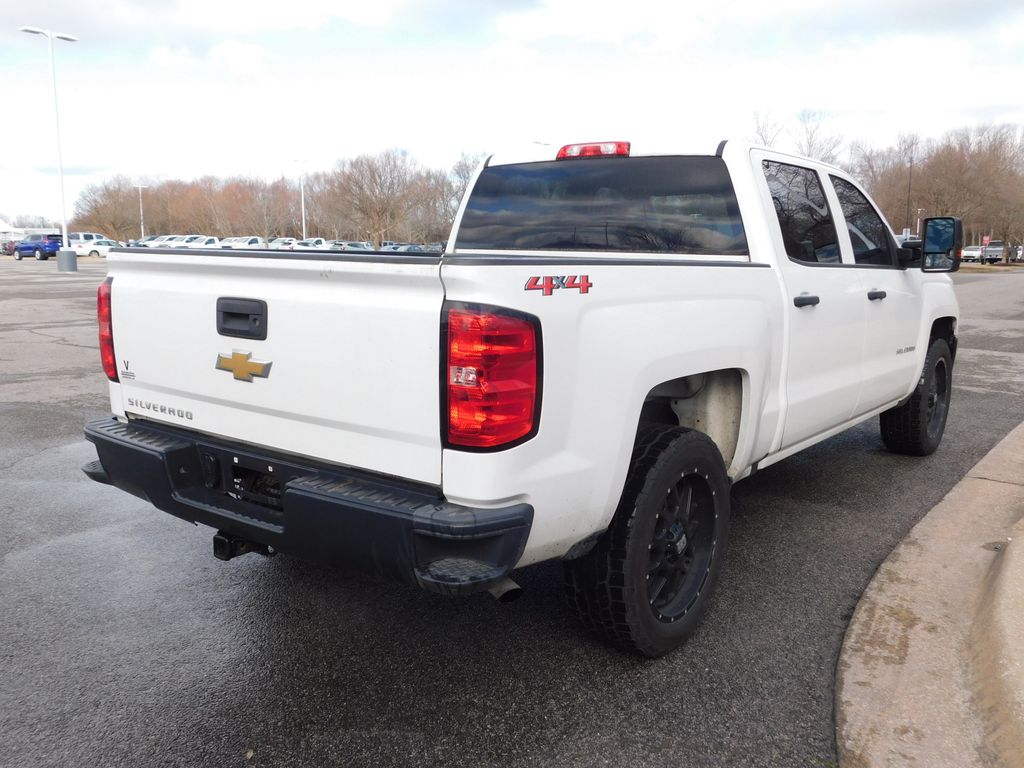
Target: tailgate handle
242	318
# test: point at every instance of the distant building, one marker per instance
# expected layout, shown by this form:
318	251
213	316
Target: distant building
7	232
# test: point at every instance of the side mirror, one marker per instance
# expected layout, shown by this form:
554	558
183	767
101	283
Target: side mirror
909	252
942	242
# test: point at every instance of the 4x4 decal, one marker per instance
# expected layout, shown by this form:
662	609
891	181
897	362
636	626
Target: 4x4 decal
550	283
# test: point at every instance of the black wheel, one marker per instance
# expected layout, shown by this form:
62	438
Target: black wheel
94	254
646	583
916	427
39	255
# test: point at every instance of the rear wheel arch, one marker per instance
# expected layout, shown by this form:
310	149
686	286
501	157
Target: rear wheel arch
710	402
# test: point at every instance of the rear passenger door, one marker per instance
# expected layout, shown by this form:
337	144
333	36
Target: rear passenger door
825	301
891	296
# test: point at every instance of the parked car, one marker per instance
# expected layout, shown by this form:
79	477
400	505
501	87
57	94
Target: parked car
971	253
160	241
41	247
282	243
993	252
143	241
202	241
243	242
77	238
310	244
175	241
572	418
96	248
349	245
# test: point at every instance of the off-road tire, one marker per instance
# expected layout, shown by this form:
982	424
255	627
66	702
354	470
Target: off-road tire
611	587
916	427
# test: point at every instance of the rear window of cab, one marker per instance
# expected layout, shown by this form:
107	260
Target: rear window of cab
679	205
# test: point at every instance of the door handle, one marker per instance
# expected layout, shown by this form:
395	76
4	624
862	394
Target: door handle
876	295
242	318
804	300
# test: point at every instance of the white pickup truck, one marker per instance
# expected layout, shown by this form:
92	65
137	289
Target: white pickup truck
613	337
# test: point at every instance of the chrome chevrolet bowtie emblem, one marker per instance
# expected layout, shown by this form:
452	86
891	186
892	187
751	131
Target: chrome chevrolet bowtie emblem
242	366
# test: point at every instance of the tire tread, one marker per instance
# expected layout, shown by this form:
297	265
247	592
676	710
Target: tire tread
595	584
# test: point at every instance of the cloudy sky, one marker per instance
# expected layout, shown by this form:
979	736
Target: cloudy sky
181	88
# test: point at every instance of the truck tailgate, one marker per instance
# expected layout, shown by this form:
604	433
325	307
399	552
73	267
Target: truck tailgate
347	373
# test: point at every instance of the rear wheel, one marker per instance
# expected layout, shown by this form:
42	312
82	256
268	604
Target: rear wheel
916	427
647	582
94	254
39	255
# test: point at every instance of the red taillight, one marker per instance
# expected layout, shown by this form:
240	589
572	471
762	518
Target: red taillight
594	149
492	377
103	317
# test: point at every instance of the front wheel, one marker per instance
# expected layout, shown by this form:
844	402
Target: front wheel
17	255
647	582
916	427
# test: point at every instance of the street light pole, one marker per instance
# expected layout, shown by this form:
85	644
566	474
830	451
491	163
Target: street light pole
142	219
302	193
66	260
302	201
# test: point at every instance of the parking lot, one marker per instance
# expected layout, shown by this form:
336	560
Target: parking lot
124	642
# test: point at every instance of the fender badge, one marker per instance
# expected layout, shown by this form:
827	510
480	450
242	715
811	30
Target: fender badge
242	366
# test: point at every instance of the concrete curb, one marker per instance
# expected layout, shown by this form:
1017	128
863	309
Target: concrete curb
998	658
929	673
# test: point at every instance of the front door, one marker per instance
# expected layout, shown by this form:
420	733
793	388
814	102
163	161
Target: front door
891	297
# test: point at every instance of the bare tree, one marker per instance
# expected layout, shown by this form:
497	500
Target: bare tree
813	141
378	191
111	208
28	221
766	128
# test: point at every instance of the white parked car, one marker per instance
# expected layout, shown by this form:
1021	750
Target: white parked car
76	239
202	241
244	242
971	253
621	335
282	243
95	248
351	245
310	244
160	241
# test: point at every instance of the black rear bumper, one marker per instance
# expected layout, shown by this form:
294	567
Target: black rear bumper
377	524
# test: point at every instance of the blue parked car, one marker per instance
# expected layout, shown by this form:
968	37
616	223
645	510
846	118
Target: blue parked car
40	246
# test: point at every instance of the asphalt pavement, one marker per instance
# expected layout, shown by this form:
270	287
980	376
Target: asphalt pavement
124	642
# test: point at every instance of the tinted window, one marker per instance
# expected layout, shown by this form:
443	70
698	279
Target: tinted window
806	222
868	233
639	204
